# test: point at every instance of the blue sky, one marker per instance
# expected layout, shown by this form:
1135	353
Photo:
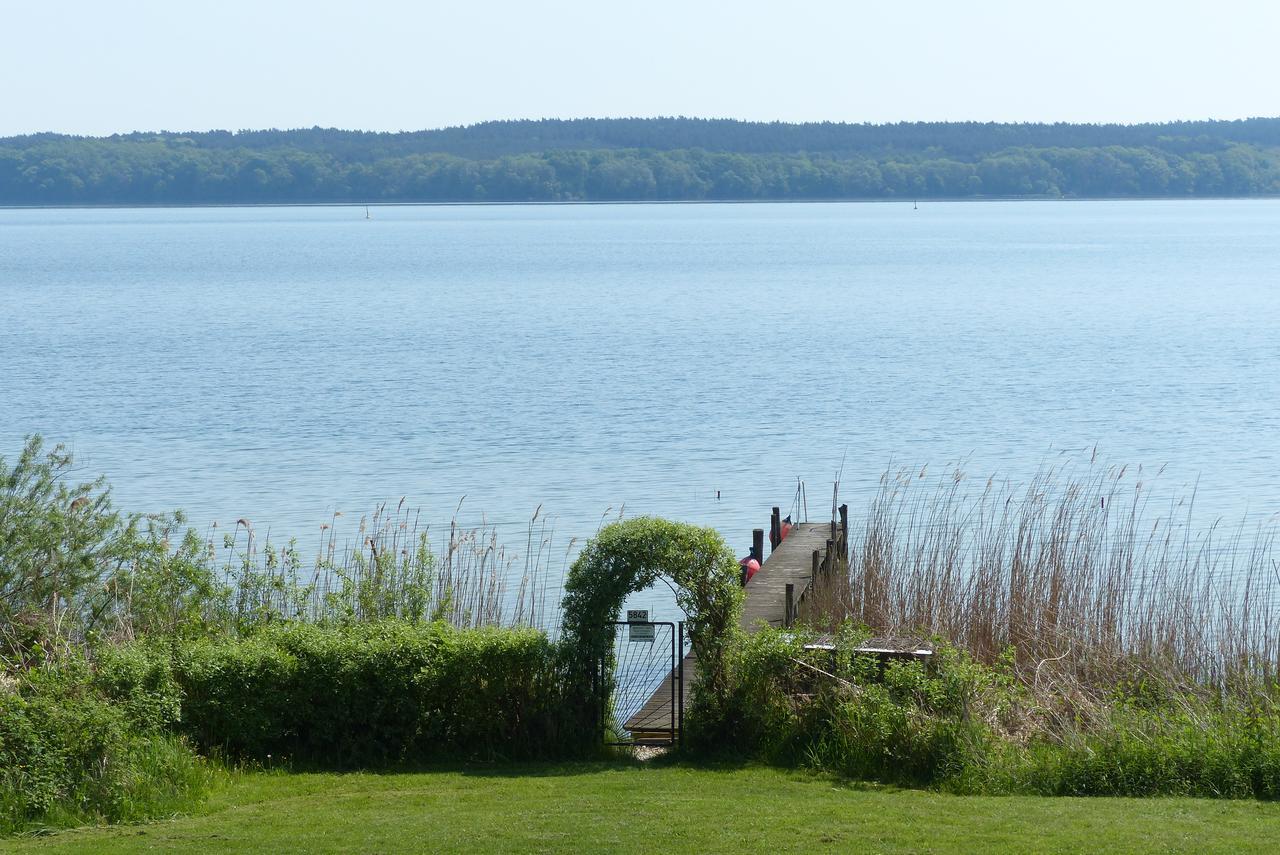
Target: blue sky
101	67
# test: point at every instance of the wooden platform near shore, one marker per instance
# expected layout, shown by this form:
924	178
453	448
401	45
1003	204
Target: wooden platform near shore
791	563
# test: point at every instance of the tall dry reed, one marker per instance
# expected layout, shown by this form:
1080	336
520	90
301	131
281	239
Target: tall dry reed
1072	571
395	570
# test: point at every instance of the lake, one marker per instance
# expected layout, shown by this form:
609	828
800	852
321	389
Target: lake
691	361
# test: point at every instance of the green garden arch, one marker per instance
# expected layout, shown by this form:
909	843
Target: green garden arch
630	556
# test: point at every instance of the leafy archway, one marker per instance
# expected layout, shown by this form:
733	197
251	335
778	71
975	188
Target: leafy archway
630	556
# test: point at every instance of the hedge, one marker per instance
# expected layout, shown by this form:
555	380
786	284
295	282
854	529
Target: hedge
376	694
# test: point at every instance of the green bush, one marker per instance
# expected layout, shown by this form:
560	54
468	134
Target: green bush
139	679
238	695
376	694
73	567
71	753
106	740
904	725
758	715
1200	749
944	725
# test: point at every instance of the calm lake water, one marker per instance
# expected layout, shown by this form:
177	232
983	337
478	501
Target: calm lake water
283	363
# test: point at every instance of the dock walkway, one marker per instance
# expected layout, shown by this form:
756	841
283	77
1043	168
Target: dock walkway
792	563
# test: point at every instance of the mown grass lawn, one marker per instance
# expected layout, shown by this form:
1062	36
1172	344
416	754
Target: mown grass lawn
629	808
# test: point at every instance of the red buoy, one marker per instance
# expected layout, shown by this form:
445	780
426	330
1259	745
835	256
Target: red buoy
752	566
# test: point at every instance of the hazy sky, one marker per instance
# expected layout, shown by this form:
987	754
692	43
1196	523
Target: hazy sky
98	66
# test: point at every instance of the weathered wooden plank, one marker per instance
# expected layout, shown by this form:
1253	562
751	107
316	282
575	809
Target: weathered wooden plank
791	563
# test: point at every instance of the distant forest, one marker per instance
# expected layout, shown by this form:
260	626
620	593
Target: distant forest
646	159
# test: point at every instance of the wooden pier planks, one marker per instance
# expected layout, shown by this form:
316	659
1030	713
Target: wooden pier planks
791	563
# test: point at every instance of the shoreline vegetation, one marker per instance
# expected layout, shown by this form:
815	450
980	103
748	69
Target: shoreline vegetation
647	160
1083	647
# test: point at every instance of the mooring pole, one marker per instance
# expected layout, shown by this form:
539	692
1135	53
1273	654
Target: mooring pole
775	529
789	606
814	572
757	552
844	531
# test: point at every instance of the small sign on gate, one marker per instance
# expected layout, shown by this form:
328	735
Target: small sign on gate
638	627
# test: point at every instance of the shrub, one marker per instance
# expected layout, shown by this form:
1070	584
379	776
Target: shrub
238	695
139	679
70	753
759	715
965	727
905	725
376	694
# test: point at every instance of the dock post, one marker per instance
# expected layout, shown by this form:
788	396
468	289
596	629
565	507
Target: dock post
831	556
757	544
742	576
775	529
844	532
789	606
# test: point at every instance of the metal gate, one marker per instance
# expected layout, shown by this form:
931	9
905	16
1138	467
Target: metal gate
642	690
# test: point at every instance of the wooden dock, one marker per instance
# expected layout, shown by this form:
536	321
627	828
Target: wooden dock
808	550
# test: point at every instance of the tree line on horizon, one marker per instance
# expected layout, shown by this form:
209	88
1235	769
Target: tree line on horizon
646	160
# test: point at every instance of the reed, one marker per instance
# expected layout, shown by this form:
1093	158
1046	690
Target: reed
1072	576
393	569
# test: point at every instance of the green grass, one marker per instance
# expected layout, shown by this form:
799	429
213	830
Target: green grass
625	808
